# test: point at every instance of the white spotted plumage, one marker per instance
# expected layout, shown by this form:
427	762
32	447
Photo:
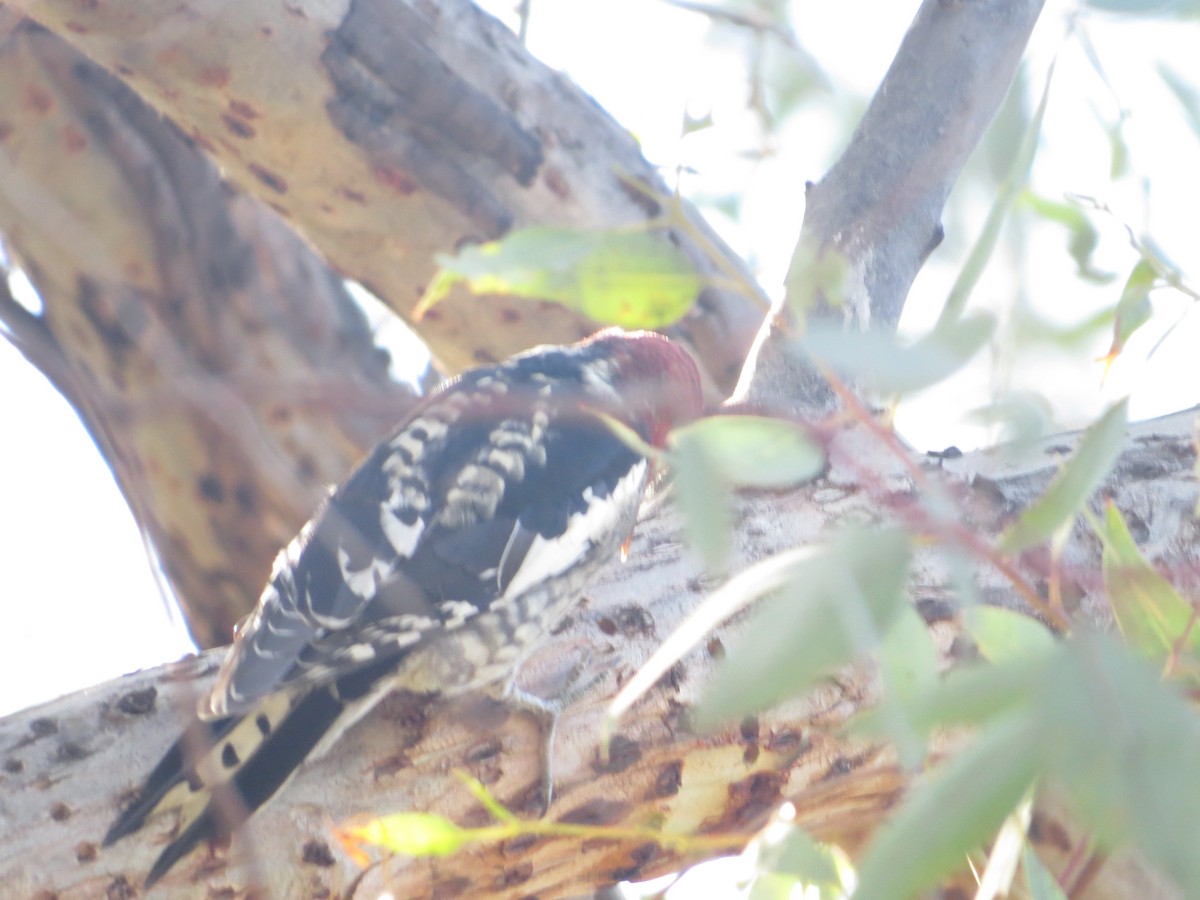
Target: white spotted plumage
455	545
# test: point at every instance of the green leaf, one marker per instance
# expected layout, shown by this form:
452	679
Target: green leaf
968	696
1124	745
1040	882
759	580
800	858
751	451
1004	634
882	362
1083	235
1133	309
1185	93
716	453
703	498
815	278
981	252
908	664
840	603
634	279
1151	614
961	805
1073	485
413	834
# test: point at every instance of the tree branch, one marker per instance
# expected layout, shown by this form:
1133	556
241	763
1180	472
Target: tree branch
389	132
66	765
191	330
880	206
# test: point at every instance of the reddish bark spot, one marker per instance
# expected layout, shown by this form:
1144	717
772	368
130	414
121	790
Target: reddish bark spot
556	182
76	27
214	76
85	852
243	110
38	99
203	142
270	179
397	180
237	126
353	196
74	140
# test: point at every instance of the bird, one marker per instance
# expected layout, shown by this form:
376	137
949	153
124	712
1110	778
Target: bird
434	567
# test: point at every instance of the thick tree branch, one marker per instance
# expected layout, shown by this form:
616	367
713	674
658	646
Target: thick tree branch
66	765
199	339
880	206
388	132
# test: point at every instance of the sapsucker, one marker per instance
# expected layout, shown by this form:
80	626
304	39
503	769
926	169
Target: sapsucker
456	544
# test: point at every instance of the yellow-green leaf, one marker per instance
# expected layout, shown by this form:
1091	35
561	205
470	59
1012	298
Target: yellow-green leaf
1004	634
1073	485
635	279
412	834
1151	614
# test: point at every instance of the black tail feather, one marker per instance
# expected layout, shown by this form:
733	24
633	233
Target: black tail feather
170	771
254	780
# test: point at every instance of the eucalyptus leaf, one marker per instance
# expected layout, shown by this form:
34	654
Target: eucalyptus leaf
635	279
1133	308
1124	745
1151	613
1185	93
961	806
801	858
1004	634
1083	235
703	498
837	606
908	665
981	252
881	361
1080	475
1039	881
751	451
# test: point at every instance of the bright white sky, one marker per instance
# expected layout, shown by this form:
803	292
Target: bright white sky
80	602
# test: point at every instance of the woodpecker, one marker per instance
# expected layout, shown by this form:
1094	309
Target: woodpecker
460	540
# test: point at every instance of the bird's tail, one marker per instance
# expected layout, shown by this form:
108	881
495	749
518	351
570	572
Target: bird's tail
218	773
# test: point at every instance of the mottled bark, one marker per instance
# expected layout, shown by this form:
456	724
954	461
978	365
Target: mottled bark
222	369
66	765
388	132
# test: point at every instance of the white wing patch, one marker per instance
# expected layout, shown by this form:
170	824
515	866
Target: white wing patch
401	536
550	557
456	613
365	582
